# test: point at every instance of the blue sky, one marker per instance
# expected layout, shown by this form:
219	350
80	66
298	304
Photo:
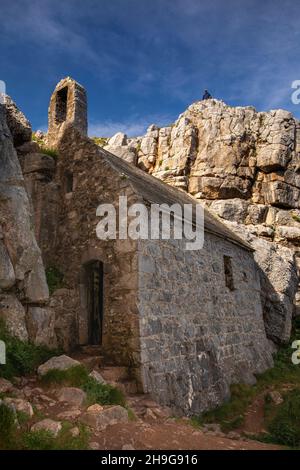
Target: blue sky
145	61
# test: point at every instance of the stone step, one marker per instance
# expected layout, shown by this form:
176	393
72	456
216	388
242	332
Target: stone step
91	349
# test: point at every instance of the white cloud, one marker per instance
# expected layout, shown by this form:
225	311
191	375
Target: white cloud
133	127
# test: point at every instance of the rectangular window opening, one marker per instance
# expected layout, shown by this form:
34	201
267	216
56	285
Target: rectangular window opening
61	105
228	272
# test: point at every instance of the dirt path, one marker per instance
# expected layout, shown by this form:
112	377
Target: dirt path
169	435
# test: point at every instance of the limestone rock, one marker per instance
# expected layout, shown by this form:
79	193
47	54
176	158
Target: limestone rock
54	427
96	408
20	405
292	234
227	152
58	362
231	209
5	386
69	414
40	326
99	420
72	395
16	216
127	153
19	126
75	431
13	313
276	397
118	139
257	214
35	283
7	273
97	376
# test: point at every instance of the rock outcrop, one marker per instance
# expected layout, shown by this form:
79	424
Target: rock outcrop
220	152
23	285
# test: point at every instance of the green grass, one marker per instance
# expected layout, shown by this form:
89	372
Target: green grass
22	439
52	152
131	414
73	377
54	279
22	417
230	415
284	426
284	371
44	440
7	426
104	394
101	141
77	376
22	357
19	438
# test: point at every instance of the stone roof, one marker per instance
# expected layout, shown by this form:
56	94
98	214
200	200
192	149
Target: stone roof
156	191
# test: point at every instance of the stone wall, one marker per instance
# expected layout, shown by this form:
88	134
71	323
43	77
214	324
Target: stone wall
68	104
197	335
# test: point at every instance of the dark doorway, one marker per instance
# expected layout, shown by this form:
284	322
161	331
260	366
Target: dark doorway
68	182
228	272
94	296
61	105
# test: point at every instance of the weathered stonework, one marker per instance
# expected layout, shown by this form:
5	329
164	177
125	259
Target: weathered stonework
68	105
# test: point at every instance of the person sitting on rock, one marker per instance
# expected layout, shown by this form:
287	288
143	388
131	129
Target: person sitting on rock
206	95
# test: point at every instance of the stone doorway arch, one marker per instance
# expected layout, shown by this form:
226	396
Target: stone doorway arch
92	302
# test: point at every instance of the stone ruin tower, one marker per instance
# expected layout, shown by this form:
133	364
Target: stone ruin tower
68	105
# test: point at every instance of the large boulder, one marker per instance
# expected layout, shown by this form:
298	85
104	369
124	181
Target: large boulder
124	152
40	326
72	396
20	405
19	126
49	425
99	418
62	362
118	139
231	209
13	314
